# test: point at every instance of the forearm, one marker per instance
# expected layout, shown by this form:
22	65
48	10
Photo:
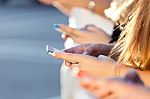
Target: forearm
66	6
101	5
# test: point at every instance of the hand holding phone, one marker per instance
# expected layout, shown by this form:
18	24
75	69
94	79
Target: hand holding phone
50	50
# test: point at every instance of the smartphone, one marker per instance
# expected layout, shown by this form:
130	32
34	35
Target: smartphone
50	49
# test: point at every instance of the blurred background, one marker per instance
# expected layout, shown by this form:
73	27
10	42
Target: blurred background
26	71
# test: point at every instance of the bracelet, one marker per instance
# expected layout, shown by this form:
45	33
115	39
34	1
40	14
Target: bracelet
91	5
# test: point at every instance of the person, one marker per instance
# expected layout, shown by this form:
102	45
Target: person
101	32
132	49
127	87
76	12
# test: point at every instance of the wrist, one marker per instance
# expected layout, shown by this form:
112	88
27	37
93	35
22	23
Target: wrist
91	5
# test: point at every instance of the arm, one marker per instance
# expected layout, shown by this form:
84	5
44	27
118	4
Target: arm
100	67
65	6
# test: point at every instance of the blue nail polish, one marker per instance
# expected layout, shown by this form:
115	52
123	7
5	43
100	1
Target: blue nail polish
56	26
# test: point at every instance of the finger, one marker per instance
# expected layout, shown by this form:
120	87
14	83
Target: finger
69	56
70	31
111	96
88	83
102	92
94	87
92	50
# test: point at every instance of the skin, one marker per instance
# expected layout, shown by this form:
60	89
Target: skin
116	88
67	5
99	67
90	49
91	34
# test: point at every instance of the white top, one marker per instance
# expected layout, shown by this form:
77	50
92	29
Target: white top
80	17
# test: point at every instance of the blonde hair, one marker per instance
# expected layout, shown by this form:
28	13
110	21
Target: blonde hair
119	10
134	43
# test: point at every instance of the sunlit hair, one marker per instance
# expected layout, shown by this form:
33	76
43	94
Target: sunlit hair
134	43
119	10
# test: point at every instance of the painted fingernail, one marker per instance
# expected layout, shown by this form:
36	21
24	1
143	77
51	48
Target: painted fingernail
56	26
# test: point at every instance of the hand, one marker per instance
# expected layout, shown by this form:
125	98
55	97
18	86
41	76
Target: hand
90	34
116	88
89	64
91	49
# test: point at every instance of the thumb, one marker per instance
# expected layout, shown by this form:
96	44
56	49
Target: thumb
92	50
133	77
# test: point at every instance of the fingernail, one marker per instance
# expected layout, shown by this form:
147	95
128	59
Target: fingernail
56	26
53	54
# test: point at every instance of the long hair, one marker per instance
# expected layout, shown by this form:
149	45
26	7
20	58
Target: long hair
133	45
119	10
